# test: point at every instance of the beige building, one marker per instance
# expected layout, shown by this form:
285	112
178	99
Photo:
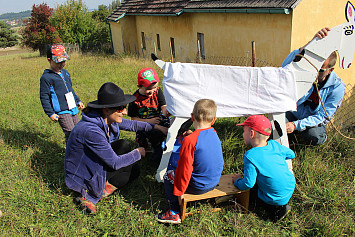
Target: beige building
187	30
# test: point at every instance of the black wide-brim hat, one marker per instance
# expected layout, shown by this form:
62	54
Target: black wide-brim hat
110	96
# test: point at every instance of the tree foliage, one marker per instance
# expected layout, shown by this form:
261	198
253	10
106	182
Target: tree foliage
8	37
101	32
38	32
73	22
114	5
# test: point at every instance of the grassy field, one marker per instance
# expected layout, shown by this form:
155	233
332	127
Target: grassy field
35	201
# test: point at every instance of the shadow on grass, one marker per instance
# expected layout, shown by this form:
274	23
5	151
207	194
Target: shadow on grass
147	193
47	160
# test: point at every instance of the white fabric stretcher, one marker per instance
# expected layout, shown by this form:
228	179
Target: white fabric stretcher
237	91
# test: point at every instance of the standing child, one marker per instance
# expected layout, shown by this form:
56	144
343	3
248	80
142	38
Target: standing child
199	166
150	107
265	169
58	98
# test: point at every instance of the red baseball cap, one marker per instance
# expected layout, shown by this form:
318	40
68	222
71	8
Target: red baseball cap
58	54
258	123
147	76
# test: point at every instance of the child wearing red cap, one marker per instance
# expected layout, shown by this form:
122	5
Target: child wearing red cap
266	172
150	106
57	95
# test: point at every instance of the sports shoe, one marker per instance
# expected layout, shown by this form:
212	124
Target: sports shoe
281	213
86	205
168	217
108	190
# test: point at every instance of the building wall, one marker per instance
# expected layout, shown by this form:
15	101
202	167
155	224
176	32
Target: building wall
116	35
129	34
312	15
225	34
230	34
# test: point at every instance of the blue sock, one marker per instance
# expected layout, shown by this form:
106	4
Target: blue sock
174	212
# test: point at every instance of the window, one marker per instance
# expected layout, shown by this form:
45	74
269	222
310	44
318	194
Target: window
172	47
158	42
201	45
143	41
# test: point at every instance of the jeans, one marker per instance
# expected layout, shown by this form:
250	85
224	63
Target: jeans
172	200
311	135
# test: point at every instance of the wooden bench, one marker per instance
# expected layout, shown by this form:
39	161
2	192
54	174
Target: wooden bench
224	188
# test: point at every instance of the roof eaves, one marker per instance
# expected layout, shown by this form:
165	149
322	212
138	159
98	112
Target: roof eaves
241	10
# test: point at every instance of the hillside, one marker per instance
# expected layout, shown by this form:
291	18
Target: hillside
14	16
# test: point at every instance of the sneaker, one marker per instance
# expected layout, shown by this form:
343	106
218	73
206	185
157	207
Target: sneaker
86	205
108	190
168	217
282	213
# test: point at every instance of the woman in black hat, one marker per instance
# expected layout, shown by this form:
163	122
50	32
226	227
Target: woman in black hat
96	162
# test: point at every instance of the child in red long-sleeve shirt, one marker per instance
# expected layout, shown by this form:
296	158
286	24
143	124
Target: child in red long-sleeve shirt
198	166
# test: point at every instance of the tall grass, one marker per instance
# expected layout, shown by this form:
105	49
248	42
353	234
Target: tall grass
35	201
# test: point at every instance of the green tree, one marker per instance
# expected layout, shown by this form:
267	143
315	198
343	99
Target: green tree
38	32
73	22
114	5
8	37
101	31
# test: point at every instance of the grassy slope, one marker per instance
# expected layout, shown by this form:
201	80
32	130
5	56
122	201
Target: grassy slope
35	201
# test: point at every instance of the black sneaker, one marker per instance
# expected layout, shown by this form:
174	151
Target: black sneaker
168	217
282	212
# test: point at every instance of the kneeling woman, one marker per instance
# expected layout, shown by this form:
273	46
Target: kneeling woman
96	162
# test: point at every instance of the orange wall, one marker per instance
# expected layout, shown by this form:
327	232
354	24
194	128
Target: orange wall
226	34
310	16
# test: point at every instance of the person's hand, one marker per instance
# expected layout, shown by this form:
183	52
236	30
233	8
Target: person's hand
81	106
236	176
54	117
322	33
141	151
155	120
162	129
181	198
290	127
185	134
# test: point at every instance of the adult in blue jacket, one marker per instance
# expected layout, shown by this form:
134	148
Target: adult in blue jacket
310	118
96	162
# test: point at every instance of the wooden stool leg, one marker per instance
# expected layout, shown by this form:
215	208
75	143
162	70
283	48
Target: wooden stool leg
243	200
183	209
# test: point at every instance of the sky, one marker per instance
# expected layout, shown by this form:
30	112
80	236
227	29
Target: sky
7	6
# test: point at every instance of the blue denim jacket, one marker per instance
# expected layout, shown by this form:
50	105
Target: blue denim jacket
331	94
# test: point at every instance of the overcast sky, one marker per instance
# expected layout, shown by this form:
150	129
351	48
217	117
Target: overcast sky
23	5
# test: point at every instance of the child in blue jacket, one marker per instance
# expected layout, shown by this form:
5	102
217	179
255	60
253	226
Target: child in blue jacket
58	98
265	169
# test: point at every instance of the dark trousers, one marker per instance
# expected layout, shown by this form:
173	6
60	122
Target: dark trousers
273	212
122	176
310	136
67	122
172	200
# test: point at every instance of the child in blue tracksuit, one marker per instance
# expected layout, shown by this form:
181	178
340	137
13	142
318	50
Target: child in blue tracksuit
265	168
58	98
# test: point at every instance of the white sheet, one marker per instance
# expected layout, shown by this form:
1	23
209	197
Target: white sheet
237	91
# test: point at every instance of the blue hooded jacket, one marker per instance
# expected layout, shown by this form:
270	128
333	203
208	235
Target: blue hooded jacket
89	153
331	94
52	92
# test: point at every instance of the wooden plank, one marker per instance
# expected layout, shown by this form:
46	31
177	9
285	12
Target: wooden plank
225	187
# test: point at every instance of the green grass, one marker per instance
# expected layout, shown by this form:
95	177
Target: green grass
35	201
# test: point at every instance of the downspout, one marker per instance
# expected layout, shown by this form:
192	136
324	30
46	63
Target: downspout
109	27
